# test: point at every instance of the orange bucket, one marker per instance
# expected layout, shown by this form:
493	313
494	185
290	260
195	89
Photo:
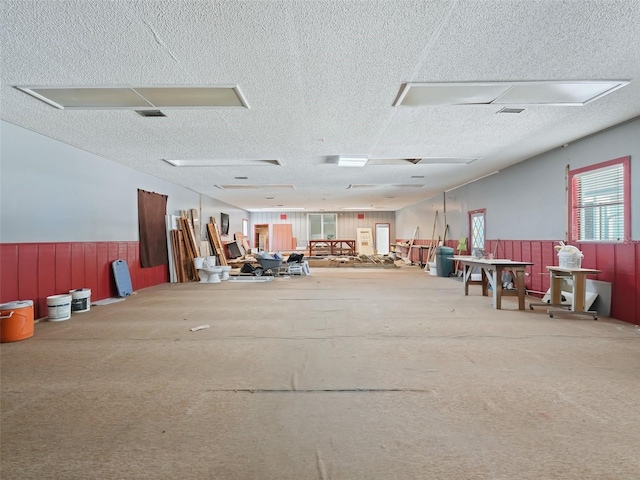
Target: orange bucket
16	321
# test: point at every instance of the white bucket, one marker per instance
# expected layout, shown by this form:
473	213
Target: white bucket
59	307
569	260
569	257
80	300
433	268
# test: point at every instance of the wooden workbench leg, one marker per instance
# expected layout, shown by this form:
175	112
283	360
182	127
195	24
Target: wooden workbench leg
520	286
483	275
579	290
466	277
556	287
497	288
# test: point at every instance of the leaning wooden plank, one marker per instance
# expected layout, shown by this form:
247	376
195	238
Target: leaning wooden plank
192	251
195	221
192	248
218	243
181	257
194	240
176	255
187	262
212	243
168	229
182	274
214	240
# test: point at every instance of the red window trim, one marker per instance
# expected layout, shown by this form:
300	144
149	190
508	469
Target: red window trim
626	167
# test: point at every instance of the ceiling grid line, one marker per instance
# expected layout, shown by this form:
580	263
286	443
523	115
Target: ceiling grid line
416	69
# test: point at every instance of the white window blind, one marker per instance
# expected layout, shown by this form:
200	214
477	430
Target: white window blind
598	204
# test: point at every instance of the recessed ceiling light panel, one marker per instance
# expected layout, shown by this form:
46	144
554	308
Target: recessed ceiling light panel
221	162
193	96
557	93
242	186
421	161
436	94
446	161
95	98
352	161
391	185
561	93
88	97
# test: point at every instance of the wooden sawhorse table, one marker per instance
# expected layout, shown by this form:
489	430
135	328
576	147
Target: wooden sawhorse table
492	275
579	277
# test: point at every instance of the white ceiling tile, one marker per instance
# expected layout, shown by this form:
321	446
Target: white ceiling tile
320	78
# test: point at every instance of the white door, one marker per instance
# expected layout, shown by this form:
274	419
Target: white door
383	232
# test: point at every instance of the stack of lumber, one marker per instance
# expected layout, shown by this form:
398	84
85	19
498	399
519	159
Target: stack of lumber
185	249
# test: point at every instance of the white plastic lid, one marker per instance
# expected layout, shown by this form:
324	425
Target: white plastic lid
569	250
17	304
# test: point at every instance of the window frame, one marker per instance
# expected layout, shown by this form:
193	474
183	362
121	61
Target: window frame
322	215
470	214
574	229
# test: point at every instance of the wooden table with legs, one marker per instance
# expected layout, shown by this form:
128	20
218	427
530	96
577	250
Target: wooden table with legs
334	247
579	278
491	271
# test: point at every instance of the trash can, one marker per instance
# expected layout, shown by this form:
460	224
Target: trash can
444	261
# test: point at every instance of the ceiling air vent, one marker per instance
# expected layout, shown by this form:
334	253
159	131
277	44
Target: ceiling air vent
510	110
150	113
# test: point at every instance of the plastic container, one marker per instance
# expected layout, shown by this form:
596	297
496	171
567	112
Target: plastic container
80	300
569	257
444	261
16	321
59	307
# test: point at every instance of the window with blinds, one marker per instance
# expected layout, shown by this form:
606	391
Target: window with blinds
599	200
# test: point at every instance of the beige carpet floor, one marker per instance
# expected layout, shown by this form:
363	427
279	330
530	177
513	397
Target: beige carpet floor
344	374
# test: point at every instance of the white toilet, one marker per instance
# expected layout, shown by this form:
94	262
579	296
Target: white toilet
207	270
225	272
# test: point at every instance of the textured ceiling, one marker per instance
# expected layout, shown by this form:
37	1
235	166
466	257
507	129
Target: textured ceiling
320	78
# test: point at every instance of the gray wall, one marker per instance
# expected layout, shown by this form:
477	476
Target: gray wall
54	192
527	201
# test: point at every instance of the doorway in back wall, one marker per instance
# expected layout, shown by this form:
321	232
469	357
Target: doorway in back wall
261	237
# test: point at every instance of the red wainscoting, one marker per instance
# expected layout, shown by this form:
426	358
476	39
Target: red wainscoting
34	271
619	264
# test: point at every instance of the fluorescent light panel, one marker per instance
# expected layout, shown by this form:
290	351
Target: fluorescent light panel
221	162
565	93
422	161
352	161
446	161
391	185
275	209
241	187
89	98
